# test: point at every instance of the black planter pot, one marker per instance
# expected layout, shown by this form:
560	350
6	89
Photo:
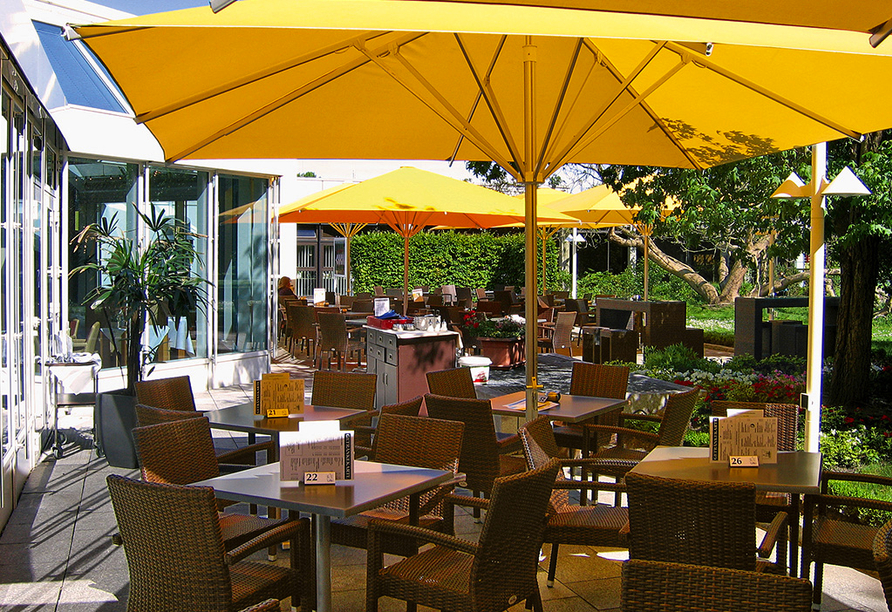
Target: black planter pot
113	419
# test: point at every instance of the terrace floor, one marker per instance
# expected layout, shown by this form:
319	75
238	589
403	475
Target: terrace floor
56	552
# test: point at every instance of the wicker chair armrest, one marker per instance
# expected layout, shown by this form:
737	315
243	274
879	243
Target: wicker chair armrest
637	416
856	502
510	444
421	535
775	530
270	605
298	529
856	477
466	500
589	485
363	451
437	495
607	467
245	454
648	438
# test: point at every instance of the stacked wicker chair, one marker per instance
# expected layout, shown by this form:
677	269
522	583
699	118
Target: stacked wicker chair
177	559
480	461
654	586
700	523
568	523
491	575
834	539
418	442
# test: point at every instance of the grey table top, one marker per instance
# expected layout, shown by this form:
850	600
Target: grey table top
571	408
794	472
373	485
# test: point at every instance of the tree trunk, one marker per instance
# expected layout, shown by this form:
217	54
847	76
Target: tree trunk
702	286
733	281
851	363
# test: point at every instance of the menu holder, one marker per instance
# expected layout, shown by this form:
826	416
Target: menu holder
319	296
278	395
318	453
522	405
746	435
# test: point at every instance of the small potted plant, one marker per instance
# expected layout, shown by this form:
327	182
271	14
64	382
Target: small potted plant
141	284
499	339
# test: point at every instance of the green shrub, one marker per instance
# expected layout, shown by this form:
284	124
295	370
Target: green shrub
847	449
675	359
722	338
696	438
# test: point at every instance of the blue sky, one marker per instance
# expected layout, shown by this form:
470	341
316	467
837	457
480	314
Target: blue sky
144	7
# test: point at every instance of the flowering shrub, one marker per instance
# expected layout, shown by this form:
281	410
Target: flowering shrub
477	325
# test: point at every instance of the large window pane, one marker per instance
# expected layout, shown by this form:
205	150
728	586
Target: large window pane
183	195
98	190
243	270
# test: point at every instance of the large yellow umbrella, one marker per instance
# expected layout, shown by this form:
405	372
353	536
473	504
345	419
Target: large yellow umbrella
529	87
601	206
408	200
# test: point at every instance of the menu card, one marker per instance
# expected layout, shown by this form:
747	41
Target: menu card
319	295
749	435
278	395
318	446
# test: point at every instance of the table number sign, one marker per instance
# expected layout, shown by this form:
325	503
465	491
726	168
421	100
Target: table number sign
278	395
741	437
319	453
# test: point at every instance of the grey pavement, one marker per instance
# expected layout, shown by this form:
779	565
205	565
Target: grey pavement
56	552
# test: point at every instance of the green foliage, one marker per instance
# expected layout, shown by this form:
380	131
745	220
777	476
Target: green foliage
721	338
140	284
677	358
786	364
696	438
663	285
847	449
480	259
476	324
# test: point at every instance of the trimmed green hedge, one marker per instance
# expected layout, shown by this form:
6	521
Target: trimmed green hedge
436	258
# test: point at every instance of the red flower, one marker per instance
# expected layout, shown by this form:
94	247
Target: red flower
849	420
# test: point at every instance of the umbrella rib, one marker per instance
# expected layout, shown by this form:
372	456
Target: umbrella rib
492	65
565	86
764	91
485	88
253	78
451	116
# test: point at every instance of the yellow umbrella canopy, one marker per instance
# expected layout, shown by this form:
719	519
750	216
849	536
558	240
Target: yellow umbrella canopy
691	84
408	200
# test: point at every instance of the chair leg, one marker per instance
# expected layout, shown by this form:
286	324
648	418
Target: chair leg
819	583
552	565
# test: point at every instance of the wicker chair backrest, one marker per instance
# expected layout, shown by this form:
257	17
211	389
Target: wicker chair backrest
167	393
456	382
177	452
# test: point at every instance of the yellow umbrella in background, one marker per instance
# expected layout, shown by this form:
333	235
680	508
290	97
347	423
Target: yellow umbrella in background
601	206
408	200
529	87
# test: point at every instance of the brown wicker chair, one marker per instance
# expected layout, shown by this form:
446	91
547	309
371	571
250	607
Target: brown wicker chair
481	461
245	455
456	382
176	556
182	452
418	442
597	525
835	540
558	339
408	408
767	502
335	340
303	331
654	586
634	444
701	523
594	380
882	558
488	576
355	390
168	393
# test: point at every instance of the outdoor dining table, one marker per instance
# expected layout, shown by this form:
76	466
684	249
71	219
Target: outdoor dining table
569	409
796	473
242	418
373	484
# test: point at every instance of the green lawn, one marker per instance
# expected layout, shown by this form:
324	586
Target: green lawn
721	319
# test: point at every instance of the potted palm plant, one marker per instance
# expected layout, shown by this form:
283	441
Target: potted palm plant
142	284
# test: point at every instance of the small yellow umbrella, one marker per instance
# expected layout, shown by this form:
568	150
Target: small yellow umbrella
408	200
602	207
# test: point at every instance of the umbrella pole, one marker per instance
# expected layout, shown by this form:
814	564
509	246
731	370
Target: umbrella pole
530	187
646	262
405	274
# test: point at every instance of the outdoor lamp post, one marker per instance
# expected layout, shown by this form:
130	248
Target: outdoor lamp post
574	239
845	184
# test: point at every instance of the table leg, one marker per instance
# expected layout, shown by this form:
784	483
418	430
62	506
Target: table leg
794	534
807	526
322	529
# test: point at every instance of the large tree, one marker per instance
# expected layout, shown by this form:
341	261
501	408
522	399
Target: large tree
858	231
